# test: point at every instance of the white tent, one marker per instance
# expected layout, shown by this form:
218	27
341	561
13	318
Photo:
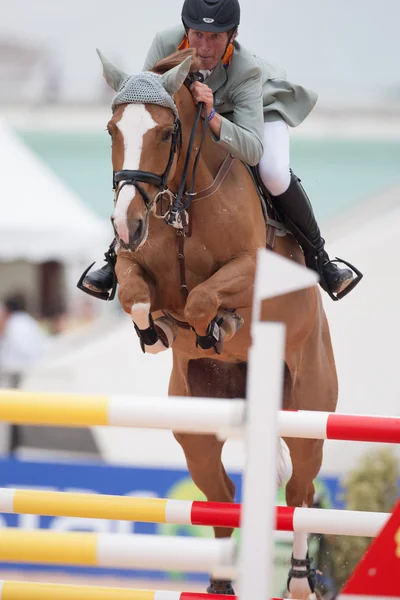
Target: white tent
41	219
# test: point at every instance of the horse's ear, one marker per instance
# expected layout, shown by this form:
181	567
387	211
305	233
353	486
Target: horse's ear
173	79
112	74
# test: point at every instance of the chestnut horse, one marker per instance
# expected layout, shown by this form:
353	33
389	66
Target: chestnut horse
189	287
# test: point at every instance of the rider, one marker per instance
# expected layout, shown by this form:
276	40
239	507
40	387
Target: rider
250	104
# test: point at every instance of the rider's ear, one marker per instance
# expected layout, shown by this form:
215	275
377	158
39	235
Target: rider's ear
173	79
111	73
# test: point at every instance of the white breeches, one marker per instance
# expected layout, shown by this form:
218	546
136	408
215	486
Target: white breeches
275	163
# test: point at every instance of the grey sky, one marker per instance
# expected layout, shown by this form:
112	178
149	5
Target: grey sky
347	50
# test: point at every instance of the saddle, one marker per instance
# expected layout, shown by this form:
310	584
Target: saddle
273	221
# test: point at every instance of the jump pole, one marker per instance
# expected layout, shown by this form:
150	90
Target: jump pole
185	512
196	415
275	275
16	590
123	551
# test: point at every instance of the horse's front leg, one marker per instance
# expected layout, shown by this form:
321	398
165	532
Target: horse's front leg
134	295
209	304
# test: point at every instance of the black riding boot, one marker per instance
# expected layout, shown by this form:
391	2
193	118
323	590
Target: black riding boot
101	283
297	214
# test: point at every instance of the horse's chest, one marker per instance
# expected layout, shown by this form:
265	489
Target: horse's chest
169	263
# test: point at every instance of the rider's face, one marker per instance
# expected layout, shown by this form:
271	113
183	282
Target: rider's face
210	47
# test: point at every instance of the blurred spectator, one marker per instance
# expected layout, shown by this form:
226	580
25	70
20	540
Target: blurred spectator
22	341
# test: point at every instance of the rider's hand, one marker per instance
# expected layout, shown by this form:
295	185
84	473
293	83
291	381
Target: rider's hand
202	93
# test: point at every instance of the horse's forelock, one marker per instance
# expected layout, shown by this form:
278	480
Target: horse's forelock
175	59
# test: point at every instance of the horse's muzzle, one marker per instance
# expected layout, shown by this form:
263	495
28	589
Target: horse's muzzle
137	233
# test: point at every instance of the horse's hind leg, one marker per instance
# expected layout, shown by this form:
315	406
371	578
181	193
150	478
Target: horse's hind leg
315	389
306	458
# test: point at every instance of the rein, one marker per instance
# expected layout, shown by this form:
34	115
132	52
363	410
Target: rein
181	200
180	206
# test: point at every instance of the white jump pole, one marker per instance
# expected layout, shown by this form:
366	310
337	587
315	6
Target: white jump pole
274	276
191	415
125	551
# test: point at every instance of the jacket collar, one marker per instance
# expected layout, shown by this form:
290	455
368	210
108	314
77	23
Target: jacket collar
217	78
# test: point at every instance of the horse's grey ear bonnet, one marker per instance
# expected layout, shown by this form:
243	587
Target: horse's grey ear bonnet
144	88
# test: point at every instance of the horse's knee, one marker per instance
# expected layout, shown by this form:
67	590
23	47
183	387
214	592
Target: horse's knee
201	307
306	462
299	492
133	294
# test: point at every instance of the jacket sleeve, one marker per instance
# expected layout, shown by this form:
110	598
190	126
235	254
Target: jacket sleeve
155	53
243	136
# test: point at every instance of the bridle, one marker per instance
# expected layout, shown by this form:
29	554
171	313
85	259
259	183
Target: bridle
181	199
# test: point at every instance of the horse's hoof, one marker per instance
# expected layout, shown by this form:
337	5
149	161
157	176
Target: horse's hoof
314	596
220	586
230	325
167	330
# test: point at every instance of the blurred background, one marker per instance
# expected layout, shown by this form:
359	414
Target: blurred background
56	201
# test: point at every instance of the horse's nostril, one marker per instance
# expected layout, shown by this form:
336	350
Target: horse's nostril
137	235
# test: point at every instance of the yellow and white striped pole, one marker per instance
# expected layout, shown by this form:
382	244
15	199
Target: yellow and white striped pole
15	590
226	418
196	415
93	506
124	551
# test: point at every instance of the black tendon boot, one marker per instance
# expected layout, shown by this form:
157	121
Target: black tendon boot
101	283
297	214
220	586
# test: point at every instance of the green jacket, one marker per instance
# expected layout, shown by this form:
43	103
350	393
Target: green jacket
247	93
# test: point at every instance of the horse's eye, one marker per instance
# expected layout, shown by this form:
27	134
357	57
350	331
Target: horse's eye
166	135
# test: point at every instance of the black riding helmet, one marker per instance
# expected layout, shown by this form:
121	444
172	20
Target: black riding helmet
214	16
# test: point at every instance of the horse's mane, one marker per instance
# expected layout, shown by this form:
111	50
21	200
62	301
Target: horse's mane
175	59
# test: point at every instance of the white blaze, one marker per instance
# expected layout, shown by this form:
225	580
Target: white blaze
135	122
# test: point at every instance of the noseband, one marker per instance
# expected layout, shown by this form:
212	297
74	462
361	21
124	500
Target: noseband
181	199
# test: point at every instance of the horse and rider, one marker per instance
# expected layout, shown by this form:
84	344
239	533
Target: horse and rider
250	105
200	147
